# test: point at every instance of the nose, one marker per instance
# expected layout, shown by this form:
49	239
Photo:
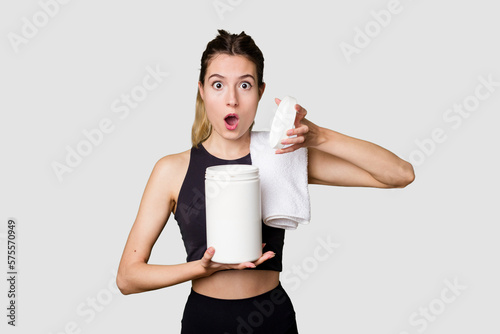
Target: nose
232	97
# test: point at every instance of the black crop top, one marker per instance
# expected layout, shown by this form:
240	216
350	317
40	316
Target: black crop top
190	213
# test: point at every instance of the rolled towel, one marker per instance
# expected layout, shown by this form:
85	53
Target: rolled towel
283	182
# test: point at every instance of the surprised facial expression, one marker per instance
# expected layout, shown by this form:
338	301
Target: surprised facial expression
230	94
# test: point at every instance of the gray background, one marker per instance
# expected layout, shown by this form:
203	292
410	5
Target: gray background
396	247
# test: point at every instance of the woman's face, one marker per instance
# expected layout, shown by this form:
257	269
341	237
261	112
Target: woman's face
231	94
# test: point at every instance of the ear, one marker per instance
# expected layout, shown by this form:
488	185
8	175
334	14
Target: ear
200	89
261	90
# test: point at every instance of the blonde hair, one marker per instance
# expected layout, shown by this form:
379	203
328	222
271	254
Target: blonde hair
201	127
230	44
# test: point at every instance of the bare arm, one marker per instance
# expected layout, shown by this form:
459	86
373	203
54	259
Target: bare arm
346	161
337	159
134	273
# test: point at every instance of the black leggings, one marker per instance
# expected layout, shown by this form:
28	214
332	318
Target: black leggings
270	312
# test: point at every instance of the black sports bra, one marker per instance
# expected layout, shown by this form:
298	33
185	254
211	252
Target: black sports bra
190	213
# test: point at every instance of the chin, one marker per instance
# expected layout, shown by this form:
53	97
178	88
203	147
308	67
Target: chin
233	134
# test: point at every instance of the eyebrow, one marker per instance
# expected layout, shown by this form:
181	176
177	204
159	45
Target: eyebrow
222	77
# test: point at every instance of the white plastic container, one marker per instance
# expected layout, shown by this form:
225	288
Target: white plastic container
233	207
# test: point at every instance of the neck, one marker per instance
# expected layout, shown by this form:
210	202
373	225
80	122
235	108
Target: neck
228	149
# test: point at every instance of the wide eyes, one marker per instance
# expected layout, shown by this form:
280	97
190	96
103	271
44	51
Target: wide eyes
244	85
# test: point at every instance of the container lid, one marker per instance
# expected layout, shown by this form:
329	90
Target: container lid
232	172
282	122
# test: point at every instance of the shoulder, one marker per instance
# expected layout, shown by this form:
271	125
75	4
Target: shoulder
168	175
172	166
164	183
173	161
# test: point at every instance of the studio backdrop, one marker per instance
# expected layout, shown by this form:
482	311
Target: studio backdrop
94	93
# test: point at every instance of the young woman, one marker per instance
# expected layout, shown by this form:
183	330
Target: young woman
245	297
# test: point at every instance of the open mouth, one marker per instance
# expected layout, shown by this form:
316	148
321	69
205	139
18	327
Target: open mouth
231	121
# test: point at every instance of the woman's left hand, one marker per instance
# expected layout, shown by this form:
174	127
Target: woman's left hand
307	132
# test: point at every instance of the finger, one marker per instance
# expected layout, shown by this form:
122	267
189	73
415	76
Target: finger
289	149
293	141
266	256
245	265
301	113
286	150
300	130
207	257
277	101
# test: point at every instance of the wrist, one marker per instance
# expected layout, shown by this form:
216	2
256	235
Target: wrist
202	271
322	137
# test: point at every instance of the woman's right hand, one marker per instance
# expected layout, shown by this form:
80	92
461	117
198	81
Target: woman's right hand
211	267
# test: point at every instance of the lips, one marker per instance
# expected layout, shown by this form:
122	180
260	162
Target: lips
231	121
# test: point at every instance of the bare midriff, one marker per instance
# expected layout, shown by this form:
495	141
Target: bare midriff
236	284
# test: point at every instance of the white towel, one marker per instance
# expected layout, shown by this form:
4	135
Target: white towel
283	182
